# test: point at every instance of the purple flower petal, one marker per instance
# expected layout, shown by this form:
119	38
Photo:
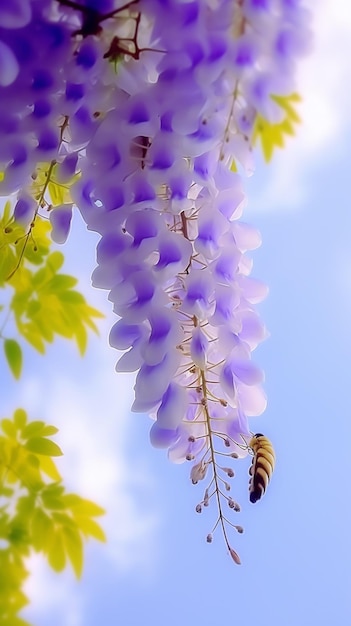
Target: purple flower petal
9	67
60	219
162	437
199	348
173	407
24	210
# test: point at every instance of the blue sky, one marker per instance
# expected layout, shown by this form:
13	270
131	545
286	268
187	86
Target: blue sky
157	567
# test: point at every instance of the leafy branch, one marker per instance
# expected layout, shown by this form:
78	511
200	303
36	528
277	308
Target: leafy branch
40	299
36	512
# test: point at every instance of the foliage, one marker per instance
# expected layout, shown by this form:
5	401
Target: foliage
36	512
272	136
41	300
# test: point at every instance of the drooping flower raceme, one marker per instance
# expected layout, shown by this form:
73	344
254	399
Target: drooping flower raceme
151	105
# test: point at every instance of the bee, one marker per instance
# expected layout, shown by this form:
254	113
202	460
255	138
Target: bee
262	466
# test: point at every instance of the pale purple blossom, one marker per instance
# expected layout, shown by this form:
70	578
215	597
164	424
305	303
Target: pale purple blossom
60	219
150	136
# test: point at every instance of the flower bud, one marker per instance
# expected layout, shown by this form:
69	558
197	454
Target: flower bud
228	471
198	472
234	556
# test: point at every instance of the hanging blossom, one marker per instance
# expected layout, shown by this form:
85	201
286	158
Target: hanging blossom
153	104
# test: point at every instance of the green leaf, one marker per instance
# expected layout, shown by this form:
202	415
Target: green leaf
72	297
81	506
38	428
16	621
55	489
32	335
49	430
35	427
74	548
41	445
271	135
9	428
90	527
25	506
20	418
81	339
13	355
61	282
56	192
52	497
55	261
52	503
18	535
49	468
56	553
41	527
63	519
7	210
33	460
41	277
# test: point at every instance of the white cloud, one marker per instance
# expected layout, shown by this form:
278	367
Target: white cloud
323	82
52	594
325	76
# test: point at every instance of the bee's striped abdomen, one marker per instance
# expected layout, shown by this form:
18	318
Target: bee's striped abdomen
262	466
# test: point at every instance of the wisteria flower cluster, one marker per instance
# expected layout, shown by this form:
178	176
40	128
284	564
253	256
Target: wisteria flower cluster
149	106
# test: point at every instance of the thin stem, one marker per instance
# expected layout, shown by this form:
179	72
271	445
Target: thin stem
225	135
212	452
40	200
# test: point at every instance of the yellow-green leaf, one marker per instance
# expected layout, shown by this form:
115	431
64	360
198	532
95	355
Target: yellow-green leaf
49	468
20	418
16	621
33	337
41	527
7	210
49	430
56	553
73	297
25	506
74	548
55	261
90	527
32	429
63	519
9	428
81	339
33	460
56	192
81	506
273	135
52	498
13	355
60	282
41	445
